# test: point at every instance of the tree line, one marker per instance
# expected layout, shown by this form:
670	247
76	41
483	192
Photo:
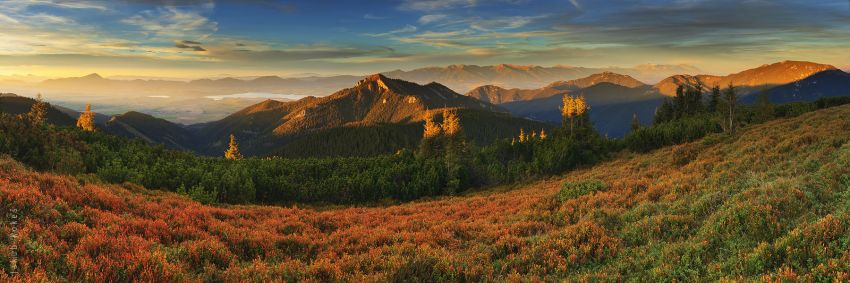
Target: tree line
445	163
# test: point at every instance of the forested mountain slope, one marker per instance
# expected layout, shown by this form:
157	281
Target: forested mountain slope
771	203
373	101
14	104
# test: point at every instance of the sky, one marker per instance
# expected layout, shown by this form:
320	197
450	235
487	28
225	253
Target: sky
196	38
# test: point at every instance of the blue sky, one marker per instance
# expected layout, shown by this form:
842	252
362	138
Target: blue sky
191	38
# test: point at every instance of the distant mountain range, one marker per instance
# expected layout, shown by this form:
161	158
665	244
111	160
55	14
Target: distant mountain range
202	87
464	78
614	98
461	78
380	114
377	115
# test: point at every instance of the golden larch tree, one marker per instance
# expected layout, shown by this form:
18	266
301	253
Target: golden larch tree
38	112
542	134
232	152
568	109
86	120
451	123
432	129
580	109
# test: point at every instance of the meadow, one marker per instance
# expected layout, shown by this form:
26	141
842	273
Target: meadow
770	203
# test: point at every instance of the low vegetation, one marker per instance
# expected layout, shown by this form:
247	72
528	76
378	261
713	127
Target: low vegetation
768	204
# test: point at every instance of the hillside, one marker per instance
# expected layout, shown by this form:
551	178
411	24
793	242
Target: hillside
612	107
373	100
13	104
150	129
481	127
769	204
824	84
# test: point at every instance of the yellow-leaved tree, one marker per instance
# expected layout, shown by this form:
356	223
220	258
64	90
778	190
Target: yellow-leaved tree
451	123
432	129
232	151
580	109
86	120
38	111
573	112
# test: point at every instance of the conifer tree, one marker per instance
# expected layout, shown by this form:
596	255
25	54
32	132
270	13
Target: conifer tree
431	144
635	122
86	120
679	103
38	112
694	95
581	108
568	110
456	152
542	134
730	101
232	152
764	108
451	123
664	113
714	100
432	129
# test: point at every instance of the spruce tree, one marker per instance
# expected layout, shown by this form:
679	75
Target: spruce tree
714	100
664	113
730	101
635	122
679	103
764	108
456	153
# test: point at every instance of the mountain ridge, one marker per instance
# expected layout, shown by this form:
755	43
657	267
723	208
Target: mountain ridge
750	80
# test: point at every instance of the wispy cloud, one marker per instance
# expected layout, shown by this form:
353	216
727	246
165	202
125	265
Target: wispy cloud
188	44
373	17
175	22
405	29
434	5
427	19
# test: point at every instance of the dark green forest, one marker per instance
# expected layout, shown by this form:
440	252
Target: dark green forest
443	164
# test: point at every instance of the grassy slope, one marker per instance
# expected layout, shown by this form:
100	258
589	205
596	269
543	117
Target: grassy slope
771	203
